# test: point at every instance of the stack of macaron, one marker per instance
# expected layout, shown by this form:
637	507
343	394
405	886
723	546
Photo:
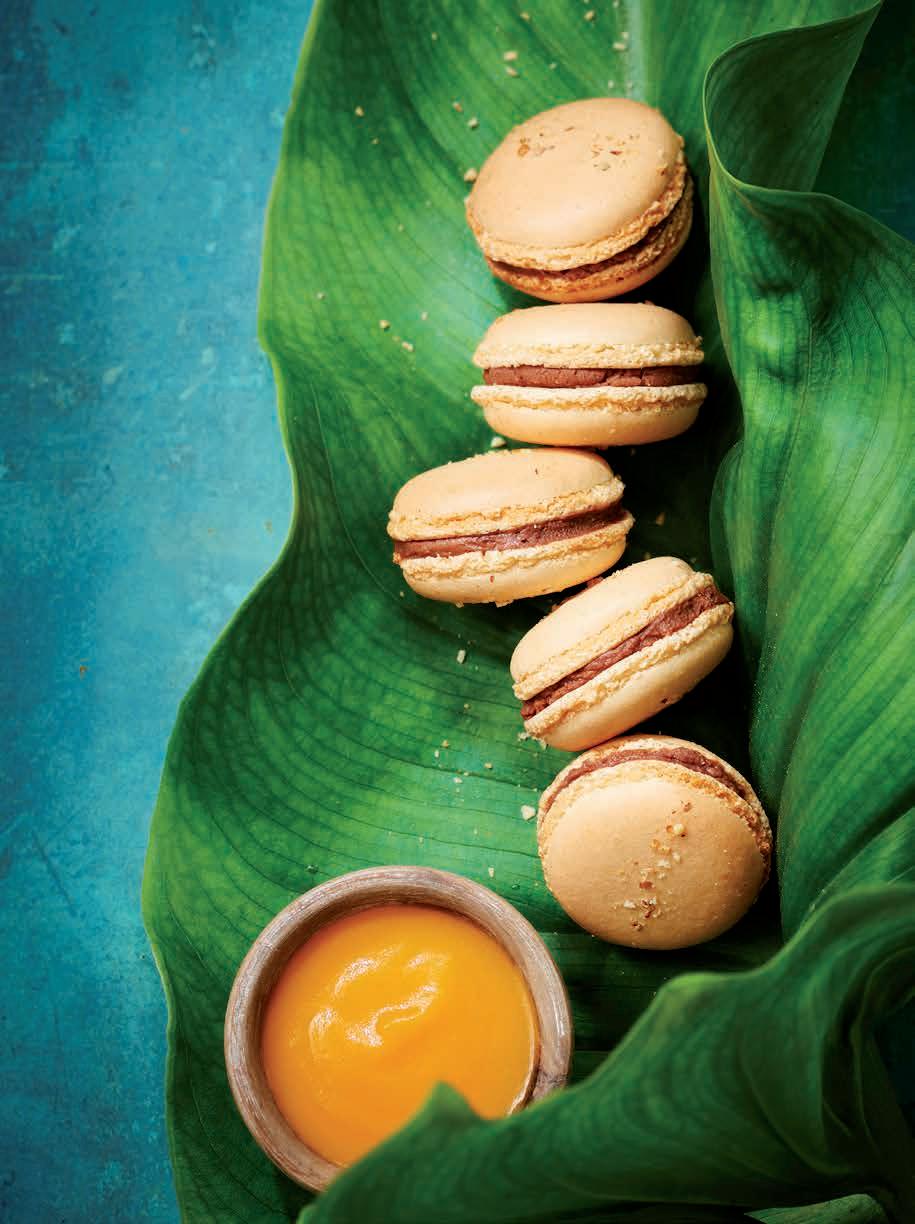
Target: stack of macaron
645	840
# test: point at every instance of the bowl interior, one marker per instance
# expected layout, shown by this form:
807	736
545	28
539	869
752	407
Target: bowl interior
347	894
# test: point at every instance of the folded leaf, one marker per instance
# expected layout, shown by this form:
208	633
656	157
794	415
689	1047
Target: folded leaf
332	726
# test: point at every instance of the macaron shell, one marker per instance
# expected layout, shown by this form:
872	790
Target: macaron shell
621	274
593	620
652	862
577	184
501	577
501	490
590	416
634	690
607	335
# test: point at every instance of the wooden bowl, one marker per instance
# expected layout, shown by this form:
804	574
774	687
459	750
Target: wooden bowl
345	895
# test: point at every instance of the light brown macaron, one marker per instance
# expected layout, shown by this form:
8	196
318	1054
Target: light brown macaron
620	652
583	202
590	374
508	524
653	842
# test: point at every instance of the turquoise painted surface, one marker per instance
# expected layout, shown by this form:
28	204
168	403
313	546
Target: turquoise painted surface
143	490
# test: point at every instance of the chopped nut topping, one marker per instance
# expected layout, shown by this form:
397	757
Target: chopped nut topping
510	56
461	656
473	123
528	812
470	176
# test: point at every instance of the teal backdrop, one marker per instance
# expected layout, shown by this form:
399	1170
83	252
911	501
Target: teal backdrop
143	490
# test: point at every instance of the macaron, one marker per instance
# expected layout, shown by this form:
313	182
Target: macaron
620	652
653	842
590	374
508	524
584	201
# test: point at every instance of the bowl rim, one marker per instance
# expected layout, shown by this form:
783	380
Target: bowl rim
347	894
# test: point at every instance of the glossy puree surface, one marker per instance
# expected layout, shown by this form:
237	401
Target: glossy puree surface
379	1006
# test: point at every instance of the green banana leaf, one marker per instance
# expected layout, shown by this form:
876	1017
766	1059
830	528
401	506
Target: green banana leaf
332	726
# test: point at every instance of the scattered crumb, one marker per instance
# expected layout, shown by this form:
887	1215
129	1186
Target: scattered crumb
629	905
360	113
619	45
522	736
405	344
375	140
461	656
401	594
512	72
473	123
492	871
510	56
446	743
552	67
424	314
497	442
400	229
524	16
679	830
610	84
466	705
457	106
320	296
676	856
458	781
662	863
470	176
383	324
659	521
590	15
434	36
436	754
528	812
487	764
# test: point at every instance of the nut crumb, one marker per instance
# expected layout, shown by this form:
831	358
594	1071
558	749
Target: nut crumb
497	442
473	123
619	46
663	863
466	705
434	36
457	106
424	314
461	656
660	519
510	56
528	812
458	781
552	67
679	830
677	857
470	176
436	754
487	764
446	743
522	736
512	72
360	113
383	324
492	871
405	344
524	16
590	15
629	905
374	140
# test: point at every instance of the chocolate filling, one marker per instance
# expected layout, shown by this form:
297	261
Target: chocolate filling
552	376
528	536
666	623
679	756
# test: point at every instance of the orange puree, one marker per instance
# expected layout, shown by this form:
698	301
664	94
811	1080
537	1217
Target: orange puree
379	1006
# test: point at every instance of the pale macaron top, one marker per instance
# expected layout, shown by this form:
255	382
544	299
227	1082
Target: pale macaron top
597	618
577	184
502	490
590	335
651	852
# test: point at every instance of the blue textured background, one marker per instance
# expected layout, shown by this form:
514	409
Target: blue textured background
143	490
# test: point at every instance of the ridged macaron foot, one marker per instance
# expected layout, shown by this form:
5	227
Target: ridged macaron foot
653	842
508	524
620	652
583	202
590	374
